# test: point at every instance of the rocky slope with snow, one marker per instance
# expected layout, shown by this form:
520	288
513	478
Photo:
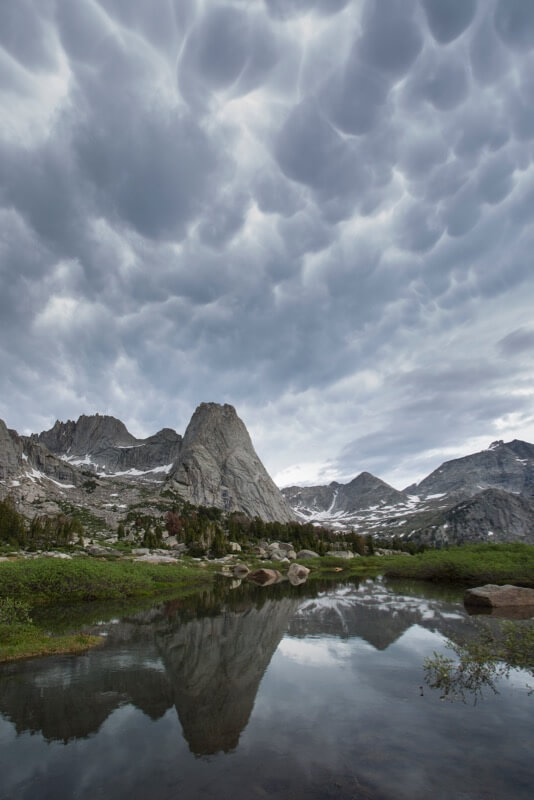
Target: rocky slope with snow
485	496
103	444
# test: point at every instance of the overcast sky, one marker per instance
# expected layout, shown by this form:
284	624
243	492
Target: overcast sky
320	211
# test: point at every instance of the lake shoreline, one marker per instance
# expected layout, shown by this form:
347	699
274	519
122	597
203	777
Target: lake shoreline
49	581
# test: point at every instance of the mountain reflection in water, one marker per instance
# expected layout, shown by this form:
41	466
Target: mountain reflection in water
346	674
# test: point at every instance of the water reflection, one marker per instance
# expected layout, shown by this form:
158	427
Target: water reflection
309	691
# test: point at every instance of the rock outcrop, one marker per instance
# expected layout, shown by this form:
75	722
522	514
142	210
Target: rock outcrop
10	453
490	516
218	466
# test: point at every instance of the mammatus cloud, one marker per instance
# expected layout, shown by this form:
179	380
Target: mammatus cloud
319	212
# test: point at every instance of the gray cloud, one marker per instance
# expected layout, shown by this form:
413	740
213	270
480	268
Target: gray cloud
320	212
448	20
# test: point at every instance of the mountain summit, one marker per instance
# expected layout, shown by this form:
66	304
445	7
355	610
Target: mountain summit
218	466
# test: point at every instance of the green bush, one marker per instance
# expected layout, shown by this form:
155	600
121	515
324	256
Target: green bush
14	612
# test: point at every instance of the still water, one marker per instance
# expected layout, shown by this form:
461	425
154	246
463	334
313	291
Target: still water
277	692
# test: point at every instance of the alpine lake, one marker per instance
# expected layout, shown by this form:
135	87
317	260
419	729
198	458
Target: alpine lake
315	691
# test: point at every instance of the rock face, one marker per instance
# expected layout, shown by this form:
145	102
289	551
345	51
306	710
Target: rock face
88	435
104	444
10	452
23	457
218	466
507	466
493	596
490	516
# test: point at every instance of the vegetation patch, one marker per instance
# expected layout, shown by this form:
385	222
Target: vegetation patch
482	661
470	565
49	580
28	641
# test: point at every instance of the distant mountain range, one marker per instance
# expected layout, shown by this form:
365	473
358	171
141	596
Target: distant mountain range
96	464
486	496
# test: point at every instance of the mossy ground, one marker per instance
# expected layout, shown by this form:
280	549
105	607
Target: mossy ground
28	641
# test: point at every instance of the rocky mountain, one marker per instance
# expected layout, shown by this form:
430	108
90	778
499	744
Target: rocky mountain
507	466
218	466
103	444
490	515
23	458
95	463
338	500
482	496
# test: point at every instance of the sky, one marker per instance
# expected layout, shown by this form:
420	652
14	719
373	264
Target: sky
319	211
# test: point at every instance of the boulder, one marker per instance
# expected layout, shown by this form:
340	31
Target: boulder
277	555
264	577
234	547
341	554
98	550
54	554
291	554
493	596
297	574
156	559
285	547
240	570
307	554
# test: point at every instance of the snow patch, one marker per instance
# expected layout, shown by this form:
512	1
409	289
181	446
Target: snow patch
138	472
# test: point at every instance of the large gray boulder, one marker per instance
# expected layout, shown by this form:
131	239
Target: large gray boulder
218	466
494	596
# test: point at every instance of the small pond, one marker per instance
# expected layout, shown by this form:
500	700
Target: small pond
314	691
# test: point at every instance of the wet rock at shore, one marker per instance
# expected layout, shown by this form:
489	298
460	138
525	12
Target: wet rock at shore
264	577
494	596
297	574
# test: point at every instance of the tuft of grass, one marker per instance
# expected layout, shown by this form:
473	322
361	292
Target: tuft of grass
29	641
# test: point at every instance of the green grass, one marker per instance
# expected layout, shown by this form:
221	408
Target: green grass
48	580
29	641
471	565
